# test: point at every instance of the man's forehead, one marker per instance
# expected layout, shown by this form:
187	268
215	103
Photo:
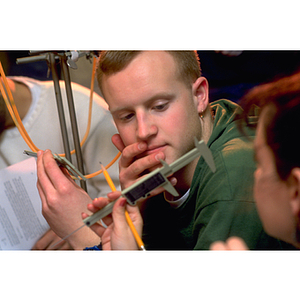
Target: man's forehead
146	59
140	73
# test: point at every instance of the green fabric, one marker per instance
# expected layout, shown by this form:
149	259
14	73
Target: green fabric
220	204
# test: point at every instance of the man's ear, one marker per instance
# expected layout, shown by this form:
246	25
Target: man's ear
200	94
294	186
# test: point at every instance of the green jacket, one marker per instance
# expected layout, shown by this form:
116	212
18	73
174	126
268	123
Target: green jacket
220	204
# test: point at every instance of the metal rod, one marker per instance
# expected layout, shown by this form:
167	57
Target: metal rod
76	139
24	60
60	108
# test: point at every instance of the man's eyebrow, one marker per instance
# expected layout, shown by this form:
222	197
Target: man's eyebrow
163	95
114	111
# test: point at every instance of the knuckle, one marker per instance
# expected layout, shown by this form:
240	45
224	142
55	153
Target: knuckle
135	169
45	211
126	153
64	189
122	177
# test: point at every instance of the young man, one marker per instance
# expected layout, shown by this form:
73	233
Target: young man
159	102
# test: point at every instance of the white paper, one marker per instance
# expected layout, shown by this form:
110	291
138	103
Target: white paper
21	221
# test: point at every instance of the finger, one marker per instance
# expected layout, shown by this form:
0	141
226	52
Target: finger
84	215
124	226
42	178
64	246
97	204
54	173
59	244
135	216
236	243
45	241
45	185
41	192
138	168
118	142
130	152
114	195
149	163
118	213
218	246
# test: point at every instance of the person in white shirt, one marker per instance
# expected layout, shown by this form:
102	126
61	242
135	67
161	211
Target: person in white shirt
36	104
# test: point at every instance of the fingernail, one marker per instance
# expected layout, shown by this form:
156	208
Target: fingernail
142	146
159	156
173	181
122	202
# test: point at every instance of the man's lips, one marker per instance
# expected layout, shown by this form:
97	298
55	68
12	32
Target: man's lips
151	150
154	149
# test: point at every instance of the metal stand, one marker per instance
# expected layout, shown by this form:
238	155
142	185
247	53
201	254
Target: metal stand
60	108
62	57
76	139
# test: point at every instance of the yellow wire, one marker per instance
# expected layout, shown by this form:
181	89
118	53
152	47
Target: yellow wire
18	122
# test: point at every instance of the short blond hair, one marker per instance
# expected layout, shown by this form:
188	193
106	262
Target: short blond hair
111	62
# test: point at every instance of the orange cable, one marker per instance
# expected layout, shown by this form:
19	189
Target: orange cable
15	115
18	122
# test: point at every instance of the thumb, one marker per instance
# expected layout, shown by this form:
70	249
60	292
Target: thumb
118	142
118	212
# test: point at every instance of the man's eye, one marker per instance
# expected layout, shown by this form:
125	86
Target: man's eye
127	117
161	107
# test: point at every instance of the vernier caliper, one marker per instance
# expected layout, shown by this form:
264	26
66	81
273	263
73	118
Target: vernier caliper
157	178
61	161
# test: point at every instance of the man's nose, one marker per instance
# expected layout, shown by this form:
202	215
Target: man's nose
146	127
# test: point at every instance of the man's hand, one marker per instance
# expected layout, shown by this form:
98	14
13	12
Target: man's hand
132	165
63	201
117	235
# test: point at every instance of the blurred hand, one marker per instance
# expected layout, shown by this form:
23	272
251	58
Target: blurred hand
232	243
49	239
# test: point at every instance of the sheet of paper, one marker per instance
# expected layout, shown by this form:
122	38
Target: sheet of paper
21	220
